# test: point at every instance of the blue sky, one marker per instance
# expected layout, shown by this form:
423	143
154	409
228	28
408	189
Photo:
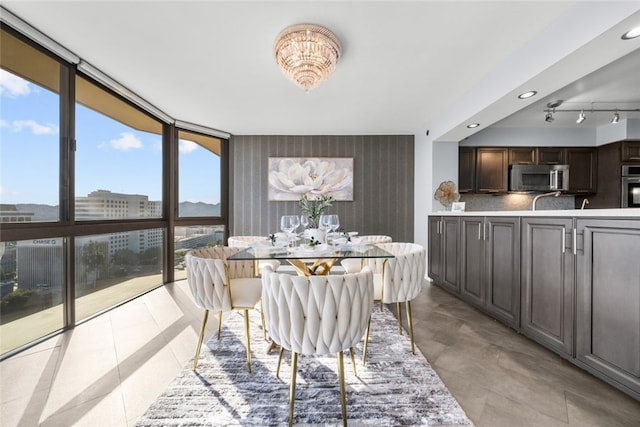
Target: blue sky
109	155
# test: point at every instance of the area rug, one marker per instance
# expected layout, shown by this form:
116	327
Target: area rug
394	388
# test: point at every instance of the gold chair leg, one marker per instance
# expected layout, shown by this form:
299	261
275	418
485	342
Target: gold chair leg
292	387
200	339
219	323
343	395
246	333
353	361
279	362
399	317
366	342
410	322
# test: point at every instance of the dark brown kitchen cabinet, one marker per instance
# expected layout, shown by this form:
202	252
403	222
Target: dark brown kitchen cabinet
466	170
630	150
443	252
583	169
522	156
551	155
490	266
608	300
547	278
492	170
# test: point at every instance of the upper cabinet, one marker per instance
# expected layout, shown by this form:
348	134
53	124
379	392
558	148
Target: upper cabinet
492	170
631	150
551	155
537	155
583	169
522	156
466	170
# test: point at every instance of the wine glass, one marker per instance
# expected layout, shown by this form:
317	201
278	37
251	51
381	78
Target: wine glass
295	222
334	223
304	221
286	225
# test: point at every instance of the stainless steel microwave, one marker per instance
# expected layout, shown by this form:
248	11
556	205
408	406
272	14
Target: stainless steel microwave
539	178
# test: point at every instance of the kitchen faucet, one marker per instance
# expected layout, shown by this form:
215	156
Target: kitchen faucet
585	202
539	196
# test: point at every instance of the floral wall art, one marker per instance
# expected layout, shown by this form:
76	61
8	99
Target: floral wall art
292	177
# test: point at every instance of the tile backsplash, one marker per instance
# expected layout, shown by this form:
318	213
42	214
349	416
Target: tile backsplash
514	202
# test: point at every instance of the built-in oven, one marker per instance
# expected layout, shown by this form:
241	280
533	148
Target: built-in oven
631	186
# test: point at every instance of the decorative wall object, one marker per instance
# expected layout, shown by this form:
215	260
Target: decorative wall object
292	177
447	193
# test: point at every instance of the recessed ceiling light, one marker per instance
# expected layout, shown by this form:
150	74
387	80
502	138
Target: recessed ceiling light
631	34
527	94
473	125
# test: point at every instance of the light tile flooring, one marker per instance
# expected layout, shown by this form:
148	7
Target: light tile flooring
107	371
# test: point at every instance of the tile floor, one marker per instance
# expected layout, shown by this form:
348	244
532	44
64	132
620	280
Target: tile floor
107	371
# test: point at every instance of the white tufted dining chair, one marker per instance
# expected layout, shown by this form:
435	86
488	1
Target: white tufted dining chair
221	285
317	315
396	280
352	265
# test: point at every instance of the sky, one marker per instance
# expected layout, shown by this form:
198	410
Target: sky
109	155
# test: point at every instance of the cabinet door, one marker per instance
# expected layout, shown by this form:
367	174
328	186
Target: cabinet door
547	282
522	156
435	249
608	299
450	226
551	155
472	260
583	169
492	169
630	151
466	170
502	268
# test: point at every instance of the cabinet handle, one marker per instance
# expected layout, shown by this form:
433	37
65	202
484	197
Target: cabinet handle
484	231
575	241
440	227
479	233
564	237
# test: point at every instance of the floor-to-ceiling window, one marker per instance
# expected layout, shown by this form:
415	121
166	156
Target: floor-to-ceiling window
90	215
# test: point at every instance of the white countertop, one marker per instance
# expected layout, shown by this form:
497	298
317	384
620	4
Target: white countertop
589	213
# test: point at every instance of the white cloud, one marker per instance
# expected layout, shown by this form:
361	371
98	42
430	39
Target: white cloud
185	146
3	123
126	142
13	85
157	146
36	128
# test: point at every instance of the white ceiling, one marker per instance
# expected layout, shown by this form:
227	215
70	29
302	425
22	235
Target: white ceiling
407	66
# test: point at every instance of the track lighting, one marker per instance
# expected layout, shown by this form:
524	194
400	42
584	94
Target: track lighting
549	118
616	118
581	117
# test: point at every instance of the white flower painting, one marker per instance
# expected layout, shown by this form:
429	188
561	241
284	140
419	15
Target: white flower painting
290	178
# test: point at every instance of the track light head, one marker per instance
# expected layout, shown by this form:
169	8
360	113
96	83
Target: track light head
581	117
616	118
549	118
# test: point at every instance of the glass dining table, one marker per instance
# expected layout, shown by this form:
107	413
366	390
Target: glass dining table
311	260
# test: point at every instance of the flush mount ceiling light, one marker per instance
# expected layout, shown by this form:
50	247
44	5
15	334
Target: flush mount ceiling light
581	117
307	54
631	34
527	94
616	118
473	125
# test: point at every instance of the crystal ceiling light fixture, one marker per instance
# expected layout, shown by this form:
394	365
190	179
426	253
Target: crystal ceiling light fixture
307	54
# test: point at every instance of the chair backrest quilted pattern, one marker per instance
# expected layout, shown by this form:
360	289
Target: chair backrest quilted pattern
209	273
402	276
244	241
317	314
377	238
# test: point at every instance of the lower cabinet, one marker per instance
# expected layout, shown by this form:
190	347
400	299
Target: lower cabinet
443	252
608	300
490	265
547	278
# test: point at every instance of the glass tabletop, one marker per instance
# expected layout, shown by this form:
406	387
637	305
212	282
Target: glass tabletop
366	250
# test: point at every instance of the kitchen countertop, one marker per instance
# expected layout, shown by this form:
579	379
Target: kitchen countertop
583	213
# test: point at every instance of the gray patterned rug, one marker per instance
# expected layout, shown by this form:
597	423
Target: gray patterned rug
394	387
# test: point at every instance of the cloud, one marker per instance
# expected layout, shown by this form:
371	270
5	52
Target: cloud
3	123
13	85
185	146
36	128
126	142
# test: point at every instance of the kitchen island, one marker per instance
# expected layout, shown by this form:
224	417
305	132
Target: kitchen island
567	279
